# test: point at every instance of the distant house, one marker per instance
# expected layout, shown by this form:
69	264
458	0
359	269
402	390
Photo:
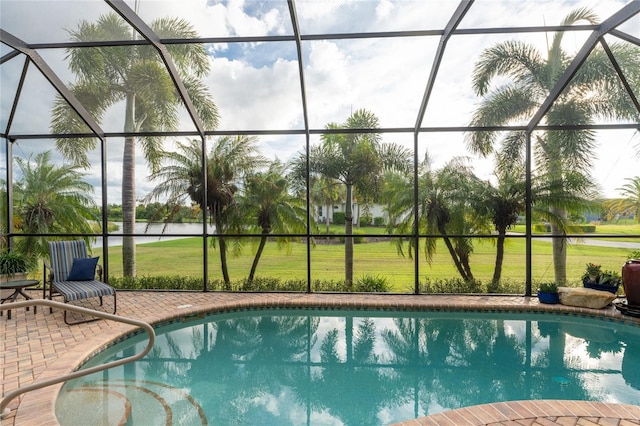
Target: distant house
373	210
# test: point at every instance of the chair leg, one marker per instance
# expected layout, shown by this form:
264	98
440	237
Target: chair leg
92	319
78	322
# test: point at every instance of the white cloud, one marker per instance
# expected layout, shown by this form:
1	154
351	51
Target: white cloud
256	86
384	8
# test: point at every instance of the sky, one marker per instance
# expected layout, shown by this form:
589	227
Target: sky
256	85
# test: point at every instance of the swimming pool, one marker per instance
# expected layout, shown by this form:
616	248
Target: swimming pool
354	367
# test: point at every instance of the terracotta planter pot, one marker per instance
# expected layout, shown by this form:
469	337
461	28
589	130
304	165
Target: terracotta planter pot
631	281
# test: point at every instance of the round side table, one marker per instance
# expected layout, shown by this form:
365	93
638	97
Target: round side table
18	287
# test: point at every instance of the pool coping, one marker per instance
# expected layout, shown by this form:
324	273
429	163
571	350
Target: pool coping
38	407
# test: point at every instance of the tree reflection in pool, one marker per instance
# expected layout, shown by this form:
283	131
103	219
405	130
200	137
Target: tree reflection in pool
277	367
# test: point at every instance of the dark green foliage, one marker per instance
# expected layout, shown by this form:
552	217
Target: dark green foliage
338	218
366	220
453	285
506	287
12	263
365	284
378	221
550	287
161	282
371	284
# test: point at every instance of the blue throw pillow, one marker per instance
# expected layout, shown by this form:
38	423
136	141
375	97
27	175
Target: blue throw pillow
83	269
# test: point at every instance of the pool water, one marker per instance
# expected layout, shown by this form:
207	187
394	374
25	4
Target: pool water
277	367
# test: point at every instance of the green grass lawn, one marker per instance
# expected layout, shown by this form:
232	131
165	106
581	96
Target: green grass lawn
184	257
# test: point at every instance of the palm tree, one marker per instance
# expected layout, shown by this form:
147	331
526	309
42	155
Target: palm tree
595	91
323	191
326	192
446	206
50	200
274	207
504	202
629	204
135	75
357	160
230	159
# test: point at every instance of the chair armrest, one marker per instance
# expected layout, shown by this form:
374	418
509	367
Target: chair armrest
48	277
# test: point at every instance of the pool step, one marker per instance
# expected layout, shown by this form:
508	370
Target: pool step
129	402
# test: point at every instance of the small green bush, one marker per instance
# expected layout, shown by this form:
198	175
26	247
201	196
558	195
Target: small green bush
506	286
338	218
161	282
371	284
378	221
366	220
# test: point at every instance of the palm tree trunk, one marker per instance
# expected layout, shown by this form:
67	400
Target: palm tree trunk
129	194
223	255
256	259
348	241
559	246
497	270
326	218
453	253
464	260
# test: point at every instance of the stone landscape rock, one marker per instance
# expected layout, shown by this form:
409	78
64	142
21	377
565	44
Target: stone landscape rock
585	297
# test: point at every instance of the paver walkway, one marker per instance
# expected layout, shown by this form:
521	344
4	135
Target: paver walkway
40	346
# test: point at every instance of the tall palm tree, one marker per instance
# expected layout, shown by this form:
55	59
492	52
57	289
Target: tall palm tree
357	160
629	204
137	76
229	161
49	200
268	200
595	91
351	158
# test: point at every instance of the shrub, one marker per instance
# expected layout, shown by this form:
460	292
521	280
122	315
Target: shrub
506	286
365	220
452	285
371	284
161	282
378	221
338	218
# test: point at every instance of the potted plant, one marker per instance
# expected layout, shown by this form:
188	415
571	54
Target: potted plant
548	293
13	266
592	272
597	279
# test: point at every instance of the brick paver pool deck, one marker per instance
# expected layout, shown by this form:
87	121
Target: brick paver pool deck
39	346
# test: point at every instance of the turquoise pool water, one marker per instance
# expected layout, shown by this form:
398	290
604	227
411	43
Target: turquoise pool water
277	367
